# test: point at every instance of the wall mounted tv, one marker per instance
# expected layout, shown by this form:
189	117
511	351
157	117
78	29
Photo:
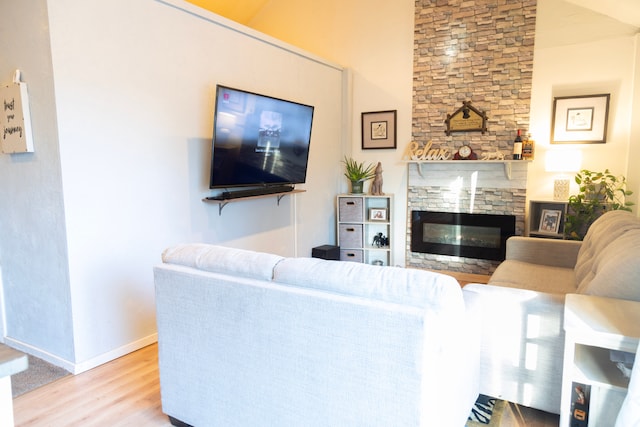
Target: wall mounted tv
258	141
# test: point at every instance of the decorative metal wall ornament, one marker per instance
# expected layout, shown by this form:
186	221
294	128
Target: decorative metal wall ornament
466	119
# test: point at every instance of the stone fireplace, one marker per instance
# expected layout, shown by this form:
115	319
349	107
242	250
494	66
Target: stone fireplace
491	188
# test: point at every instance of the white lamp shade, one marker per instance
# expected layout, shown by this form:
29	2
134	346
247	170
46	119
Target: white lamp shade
563	160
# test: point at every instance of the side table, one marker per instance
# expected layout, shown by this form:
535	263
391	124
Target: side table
594	326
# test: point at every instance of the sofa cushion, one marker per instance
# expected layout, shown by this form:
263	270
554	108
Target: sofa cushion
413	287
615	273
534	277
605	230
608	259
220	259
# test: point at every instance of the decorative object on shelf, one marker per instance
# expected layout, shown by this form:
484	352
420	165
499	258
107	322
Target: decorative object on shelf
550	221
493	155
376	185
379	129
465	153
517	146
599	192
358	173
580	119
377	214
466	119
417	151
380	240
528	148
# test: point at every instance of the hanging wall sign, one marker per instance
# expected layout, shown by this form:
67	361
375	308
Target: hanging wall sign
466	119
15	119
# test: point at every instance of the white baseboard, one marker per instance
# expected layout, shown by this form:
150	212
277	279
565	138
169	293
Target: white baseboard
78	368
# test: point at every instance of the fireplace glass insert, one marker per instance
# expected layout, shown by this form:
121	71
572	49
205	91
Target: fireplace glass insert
481	236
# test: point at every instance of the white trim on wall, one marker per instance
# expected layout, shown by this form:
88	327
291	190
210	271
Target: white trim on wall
78	368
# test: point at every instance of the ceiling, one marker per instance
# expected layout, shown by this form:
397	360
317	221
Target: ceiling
242	11
559	22
566	22
626	11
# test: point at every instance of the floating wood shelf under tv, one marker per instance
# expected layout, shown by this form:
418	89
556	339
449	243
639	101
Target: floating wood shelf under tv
223	202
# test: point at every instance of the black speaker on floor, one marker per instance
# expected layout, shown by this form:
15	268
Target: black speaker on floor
326	252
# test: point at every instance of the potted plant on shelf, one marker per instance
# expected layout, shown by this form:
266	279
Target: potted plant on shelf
357	173
598	192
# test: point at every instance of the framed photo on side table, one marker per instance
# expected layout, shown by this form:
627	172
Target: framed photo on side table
379	129
550	221
580	119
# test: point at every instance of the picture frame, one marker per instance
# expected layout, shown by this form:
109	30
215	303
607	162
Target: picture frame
580	119
550	221
379	130
377	214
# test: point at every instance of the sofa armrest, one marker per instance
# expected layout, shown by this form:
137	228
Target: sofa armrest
551	252
522	344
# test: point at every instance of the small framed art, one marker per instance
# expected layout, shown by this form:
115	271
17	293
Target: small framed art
550	221
580	119
379	129
377	214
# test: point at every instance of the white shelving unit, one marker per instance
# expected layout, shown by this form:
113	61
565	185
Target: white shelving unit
362	221
594	326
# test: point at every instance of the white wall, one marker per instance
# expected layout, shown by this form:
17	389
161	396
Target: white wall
134	85
634	151
375	40
33	247
587	69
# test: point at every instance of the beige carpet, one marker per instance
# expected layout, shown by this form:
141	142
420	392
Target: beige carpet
37	374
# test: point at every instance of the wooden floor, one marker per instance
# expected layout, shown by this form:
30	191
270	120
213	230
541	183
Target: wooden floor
126	392
464	278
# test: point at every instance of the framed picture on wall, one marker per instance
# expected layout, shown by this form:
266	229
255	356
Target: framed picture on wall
580	119
379	129
550	221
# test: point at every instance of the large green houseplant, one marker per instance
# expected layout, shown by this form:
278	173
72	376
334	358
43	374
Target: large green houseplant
358	173
598	192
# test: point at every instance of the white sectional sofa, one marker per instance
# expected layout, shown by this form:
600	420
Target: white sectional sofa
522	307
248	339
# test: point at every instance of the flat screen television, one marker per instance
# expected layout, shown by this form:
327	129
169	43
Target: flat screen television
258	140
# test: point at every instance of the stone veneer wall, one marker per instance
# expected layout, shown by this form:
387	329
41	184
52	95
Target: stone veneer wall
479	51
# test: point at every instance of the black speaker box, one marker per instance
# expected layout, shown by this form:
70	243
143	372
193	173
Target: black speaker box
326	252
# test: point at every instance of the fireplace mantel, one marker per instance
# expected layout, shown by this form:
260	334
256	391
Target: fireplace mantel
508	164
